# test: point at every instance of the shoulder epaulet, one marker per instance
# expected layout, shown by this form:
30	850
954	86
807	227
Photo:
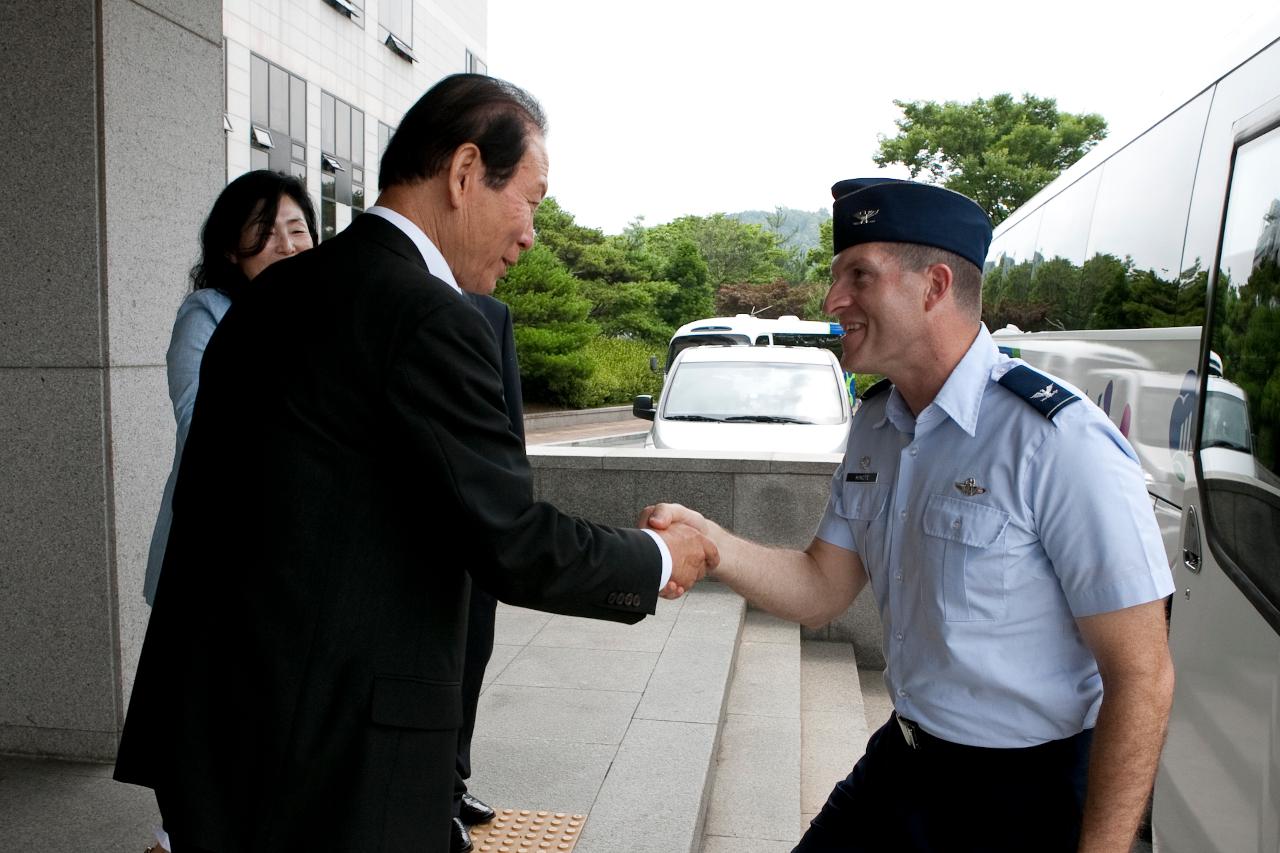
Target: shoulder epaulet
881	386
1043	394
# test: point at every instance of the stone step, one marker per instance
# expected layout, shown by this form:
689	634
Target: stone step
616	722
755	798
795	724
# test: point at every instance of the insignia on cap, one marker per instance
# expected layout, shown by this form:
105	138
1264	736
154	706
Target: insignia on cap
865	217
970	487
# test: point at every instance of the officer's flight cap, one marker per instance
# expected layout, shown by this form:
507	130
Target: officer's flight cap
889	210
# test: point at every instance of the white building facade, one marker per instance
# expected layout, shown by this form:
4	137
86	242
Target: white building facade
315	87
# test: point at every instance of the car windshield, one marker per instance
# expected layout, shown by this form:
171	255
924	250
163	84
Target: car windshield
754	391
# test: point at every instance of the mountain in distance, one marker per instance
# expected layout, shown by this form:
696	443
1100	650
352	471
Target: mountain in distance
795	228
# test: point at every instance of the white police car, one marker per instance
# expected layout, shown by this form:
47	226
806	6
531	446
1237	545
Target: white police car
747	398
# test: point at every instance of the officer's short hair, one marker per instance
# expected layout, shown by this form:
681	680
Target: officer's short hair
966	281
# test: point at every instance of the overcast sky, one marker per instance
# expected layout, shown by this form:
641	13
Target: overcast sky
661	108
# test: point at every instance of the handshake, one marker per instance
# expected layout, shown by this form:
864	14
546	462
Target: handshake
691	539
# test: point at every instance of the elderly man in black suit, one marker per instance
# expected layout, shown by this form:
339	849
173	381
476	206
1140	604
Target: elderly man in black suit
350	461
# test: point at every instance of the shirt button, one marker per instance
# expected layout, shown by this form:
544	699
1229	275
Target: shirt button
903	515
914	451
898	576
902	691
955	523
898	635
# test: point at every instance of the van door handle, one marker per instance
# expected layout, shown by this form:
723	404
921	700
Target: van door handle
1191	541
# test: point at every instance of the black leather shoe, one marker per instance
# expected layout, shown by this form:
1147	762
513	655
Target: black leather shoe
459	837
472	811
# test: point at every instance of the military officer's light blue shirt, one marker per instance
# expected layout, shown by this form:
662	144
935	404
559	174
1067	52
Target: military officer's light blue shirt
986	528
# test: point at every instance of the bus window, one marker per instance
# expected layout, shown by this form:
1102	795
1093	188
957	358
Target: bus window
1239	445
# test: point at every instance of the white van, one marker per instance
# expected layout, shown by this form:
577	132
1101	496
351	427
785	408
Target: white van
750	399
1146	381
1190	206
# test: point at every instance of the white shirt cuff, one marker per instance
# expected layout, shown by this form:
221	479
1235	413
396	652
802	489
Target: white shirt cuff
666	557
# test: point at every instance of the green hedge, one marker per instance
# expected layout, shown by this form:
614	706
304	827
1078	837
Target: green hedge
619	371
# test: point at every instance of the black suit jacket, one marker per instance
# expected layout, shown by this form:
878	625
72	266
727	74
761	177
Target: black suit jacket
499	317
350	461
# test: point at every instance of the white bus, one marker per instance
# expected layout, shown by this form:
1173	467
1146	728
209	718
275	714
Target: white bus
1192	205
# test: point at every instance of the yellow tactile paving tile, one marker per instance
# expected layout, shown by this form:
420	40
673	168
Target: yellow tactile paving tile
527	831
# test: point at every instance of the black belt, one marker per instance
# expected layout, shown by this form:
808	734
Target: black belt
919	740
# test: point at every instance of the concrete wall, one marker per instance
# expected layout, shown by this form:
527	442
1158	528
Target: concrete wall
109	106
770	498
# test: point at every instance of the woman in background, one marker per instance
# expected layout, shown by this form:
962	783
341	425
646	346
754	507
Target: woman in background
260	218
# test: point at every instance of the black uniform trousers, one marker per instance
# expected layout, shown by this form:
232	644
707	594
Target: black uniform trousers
943	797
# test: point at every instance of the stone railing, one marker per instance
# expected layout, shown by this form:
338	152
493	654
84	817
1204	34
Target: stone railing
771	498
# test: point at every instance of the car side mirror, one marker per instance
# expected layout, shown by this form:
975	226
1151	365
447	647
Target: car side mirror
642	407
653	364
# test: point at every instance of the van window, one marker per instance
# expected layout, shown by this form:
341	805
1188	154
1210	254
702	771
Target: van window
1239	435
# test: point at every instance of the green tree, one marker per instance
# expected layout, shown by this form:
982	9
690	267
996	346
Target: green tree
551	327
818	261
999	152
630	309
774	299
692	297
732	250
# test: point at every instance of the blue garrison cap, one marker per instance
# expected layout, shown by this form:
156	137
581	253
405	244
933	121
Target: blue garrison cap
889	210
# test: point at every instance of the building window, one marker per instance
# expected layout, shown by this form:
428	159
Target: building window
384	136
351	8
278	116
476	65
395	27
341	160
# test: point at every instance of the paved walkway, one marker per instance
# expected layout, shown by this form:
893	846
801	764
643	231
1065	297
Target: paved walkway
577	716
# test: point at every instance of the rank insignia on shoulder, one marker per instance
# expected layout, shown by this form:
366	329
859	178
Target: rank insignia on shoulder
1039	391
970	487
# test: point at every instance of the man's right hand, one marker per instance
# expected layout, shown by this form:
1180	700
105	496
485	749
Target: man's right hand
692	556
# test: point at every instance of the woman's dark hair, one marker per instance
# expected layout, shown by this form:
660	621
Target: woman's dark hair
462	108
250	200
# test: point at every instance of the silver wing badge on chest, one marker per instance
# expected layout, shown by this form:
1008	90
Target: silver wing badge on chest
970	487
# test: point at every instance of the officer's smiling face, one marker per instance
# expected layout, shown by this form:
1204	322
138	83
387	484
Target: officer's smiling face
879	307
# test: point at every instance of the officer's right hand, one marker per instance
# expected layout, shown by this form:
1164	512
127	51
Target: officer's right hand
693	554
661	516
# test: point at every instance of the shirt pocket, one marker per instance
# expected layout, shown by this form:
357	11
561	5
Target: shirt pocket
967	545
861	504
